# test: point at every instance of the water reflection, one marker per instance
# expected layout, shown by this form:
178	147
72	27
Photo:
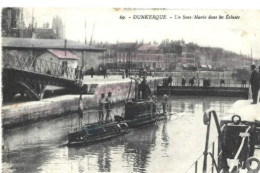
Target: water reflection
136	146
205	105
27	159
141	142
168	146
165	140
104	160
182	107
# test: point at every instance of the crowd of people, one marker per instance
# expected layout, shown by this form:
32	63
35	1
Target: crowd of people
79	72
255	83
144	92
103	70
104	108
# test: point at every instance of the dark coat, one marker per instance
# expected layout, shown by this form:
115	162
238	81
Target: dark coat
259	79
169	79
254	79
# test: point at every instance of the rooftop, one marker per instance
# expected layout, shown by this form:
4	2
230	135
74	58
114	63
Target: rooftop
10	42
62	55
44	33
149	47
126	45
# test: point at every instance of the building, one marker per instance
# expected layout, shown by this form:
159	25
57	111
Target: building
13	26
172	55
44	33
135	56
12	22
63	58
119	56
58	27
88	56
151	57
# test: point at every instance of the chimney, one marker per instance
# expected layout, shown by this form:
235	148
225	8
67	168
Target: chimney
65	47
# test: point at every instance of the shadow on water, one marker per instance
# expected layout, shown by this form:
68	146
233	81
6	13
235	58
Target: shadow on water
27	159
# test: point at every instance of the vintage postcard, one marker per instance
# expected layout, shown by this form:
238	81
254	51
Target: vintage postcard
130	90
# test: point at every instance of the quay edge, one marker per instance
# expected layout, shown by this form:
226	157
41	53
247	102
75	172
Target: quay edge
28	112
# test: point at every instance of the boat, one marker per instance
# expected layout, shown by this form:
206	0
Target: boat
238	140
138	112
142	111
96	132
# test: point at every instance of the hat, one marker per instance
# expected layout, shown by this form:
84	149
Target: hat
253	66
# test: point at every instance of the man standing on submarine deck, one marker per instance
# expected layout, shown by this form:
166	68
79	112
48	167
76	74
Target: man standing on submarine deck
108	106
164	102
80	110
101	108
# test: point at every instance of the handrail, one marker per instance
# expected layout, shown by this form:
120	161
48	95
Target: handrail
196	162
228	83
207	121
206	145
213	160
38	65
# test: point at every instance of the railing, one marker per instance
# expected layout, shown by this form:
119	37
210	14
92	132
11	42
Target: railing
198	164
213	83
37	65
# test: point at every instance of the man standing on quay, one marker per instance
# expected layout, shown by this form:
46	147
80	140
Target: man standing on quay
254	81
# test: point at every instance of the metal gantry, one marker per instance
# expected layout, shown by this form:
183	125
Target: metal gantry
38	65
29	74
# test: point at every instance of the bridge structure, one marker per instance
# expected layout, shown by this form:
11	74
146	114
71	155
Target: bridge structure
30	75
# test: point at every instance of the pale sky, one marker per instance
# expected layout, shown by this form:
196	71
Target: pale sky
234	35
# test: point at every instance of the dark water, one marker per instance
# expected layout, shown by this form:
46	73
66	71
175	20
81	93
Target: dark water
169	146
